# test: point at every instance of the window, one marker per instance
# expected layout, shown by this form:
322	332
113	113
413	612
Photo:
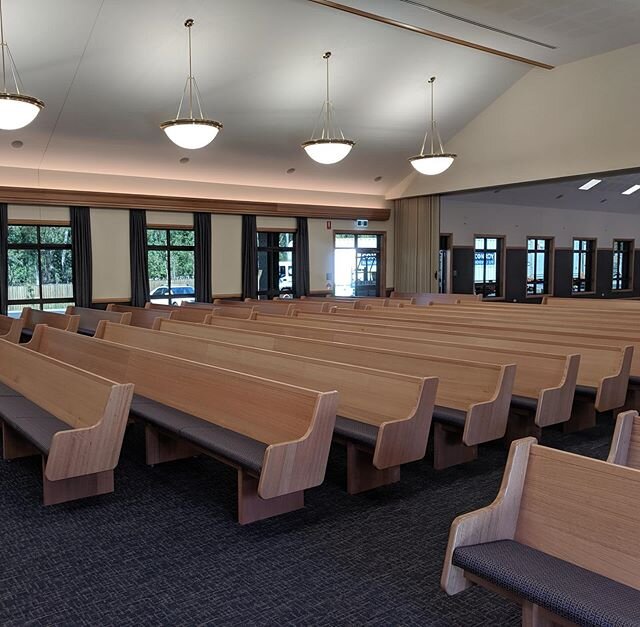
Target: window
583	262
488	266
622	257
275	264
356	261
170	261
40	267
539	251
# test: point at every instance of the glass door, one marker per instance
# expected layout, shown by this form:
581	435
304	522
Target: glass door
275	264
357	264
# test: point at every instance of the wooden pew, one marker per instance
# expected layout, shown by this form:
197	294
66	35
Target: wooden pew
603	375
383	417
89	318
11	328
186	314
277	436
32	317
561	539
140	317
625	445
473	398
276	306
543	386
625	304
74	419
424	298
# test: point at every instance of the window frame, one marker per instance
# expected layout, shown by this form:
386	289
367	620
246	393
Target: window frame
630	263
38	303
500	251
273	234
592	255
382	249
168	247
550	256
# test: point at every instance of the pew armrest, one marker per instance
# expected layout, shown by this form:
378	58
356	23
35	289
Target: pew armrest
487	421
403	441
555	404
295	466
612	390
14	332
621	441
495	522
89	450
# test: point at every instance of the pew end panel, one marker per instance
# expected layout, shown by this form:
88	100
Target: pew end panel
625	444
487	421
554	405
612	392
309	454
404	441
11	329
495	522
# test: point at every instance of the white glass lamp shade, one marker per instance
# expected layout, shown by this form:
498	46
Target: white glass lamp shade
328	151
432	164
191	133
16	111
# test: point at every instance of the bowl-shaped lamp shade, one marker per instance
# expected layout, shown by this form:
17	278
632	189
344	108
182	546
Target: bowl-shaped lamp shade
191	133
16	110
432	164
328	151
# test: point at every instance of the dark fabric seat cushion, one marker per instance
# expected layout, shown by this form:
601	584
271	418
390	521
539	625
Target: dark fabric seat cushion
524	402
26	335
450	417
357	431
634	380
574	593
5	390
245	451
85	331
586	390
33	423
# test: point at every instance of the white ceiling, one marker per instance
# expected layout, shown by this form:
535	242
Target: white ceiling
111	70
565	194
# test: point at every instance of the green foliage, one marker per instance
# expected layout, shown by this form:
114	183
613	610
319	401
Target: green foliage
182	261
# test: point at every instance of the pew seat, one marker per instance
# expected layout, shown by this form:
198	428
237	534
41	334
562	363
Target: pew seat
569	591
216	440
32	317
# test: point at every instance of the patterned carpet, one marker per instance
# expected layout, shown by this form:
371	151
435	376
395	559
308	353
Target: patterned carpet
164	549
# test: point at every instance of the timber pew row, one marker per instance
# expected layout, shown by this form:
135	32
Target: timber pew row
32	317
140	317
603	374
274	306
276	436
426	298
10	329
74	419
625	445
89	318
592	303
561	539
383	417
186	314
543	386
473	398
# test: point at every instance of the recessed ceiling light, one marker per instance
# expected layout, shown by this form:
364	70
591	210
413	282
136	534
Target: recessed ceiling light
291	170
603	200
377	179
559	196
185	160
592	183
17	144
632	190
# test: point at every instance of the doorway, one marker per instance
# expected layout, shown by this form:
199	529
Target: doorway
358	263
276	276
444	264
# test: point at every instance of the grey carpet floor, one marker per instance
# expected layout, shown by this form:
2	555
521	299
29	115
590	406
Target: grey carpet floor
164	549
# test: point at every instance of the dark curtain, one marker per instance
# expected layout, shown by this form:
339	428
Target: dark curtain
249	257
301	258
81	248
202	231
4	260
138	255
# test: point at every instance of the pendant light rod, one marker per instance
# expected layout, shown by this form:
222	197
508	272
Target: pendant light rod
188	24
4	69
327	56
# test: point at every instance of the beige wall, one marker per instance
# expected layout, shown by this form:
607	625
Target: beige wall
110	242
577	119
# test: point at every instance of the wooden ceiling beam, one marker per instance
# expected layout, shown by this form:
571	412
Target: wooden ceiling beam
430	33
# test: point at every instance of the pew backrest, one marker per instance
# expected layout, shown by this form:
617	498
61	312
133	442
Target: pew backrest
89	318
140	317
625	444
32	317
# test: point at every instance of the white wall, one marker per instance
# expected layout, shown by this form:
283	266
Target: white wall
110	245
226	253
465	219
579	118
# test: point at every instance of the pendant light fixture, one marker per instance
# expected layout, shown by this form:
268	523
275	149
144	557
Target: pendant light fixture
331	146
16	108
191	132
433	162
